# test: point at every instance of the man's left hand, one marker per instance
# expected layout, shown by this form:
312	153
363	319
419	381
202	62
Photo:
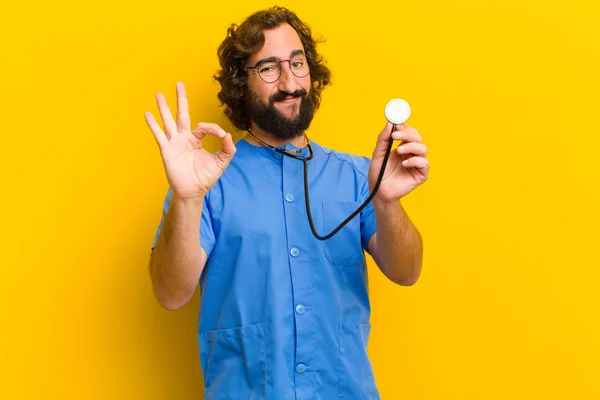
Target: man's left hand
407	167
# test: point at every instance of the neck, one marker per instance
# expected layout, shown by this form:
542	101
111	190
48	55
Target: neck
299	141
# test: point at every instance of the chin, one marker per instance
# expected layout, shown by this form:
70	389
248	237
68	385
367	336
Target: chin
290	114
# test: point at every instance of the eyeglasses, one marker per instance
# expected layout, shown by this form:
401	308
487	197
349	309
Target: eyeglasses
270	71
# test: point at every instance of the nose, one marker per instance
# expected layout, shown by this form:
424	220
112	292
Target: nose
286	82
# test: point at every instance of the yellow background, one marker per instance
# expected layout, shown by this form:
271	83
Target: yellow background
504	93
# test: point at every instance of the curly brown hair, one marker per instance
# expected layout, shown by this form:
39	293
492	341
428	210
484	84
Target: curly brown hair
246	39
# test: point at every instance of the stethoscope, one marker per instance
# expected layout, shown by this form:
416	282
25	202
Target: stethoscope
397	112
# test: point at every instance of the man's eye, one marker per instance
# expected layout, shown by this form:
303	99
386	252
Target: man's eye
297	64
267	69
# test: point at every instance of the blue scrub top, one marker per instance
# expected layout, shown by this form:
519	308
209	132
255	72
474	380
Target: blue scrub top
284	315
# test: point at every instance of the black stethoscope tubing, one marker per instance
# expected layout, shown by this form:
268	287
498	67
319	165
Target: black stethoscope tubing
306	196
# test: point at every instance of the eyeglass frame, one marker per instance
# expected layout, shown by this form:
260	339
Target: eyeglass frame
258	64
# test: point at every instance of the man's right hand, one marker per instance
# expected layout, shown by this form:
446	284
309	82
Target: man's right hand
191	170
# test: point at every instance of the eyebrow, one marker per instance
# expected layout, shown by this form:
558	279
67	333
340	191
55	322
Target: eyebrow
273	59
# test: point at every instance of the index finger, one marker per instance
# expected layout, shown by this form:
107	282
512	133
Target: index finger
407	134
207	128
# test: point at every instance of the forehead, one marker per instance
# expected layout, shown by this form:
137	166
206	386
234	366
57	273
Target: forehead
279	42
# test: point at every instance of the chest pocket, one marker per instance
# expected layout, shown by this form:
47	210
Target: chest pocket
344	248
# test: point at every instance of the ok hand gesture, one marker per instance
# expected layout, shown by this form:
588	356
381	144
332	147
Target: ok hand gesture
191	170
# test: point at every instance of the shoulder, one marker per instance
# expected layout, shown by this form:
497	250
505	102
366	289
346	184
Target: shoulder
357	162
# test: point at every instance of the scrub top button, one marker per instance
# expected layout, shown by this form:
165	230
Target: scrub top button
295	252
300	368
289	198
300	309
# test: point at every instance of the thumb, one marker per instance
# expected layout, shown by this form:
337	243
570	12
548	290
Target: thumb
383	141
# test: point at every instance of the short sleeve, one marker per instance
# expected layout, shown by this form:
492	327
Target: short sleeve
207	233
207	236
368	225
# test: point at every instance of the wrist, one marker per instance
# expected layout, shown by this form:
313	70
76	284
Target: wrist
195	202
386	211
382	204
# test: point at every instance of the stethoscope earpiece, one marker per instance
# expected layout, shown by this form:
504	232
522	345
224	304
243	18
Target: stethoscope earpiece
397	111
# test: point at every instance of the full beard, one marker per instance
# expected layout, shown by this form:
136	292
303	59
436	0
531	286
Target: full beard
270	119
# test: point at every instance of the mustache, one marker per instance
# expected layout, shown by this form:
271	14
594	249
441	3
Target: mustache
279	96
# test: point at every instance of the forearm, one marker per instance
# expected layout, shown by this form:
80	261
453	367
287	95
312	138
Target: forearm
177	259
399	247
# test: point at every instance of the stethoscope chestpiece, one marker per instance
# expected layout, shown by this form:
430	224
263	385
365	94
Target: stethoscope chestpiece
397	111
